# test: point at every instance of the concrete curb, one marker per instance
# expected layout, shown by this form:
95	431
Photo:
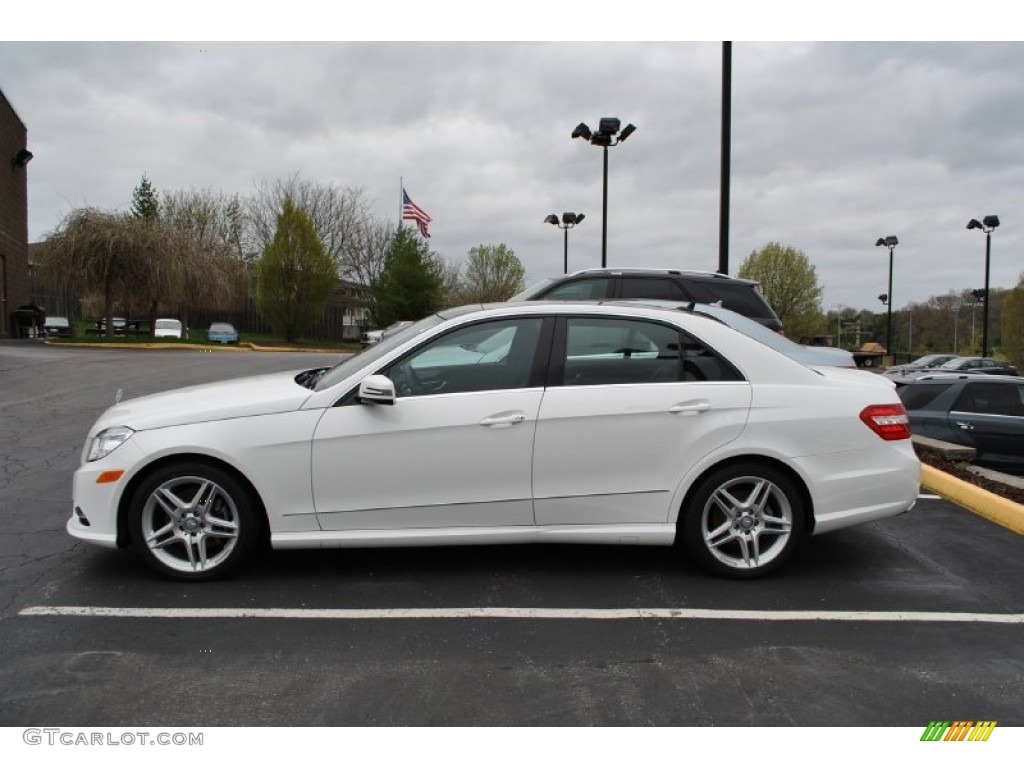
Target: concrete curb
985	503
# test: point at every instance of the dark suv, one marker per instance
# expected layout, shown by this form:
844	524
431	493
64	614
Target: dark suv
741	296
975	409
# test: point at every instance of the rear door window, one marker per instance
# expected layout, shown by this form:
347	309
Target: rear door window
652	288
993	399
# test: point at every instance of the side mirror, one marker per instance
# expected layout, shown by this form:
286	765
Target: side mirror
377	390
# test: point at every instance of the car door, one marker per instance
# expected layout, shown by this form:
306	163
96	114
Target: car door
453	451
630	405
991	417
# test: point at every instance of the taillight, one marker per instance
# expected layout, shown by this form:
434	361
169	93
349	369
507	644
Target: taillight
889	422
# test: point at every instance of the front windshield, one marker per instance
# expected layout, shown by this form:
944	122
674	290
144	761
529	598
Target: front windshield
351	365
955	364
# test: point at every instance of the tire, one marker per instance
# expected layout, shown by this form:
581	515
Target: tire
194	522
743	521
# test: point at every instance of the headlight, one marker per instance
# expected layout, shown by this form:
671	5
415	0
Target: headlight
106	441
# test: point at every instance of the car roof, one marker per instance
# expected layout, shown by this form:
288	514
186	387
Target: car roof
986	377
634	271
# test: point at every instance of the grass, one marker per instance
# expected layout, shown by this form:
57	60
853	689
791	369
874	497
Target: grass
197	337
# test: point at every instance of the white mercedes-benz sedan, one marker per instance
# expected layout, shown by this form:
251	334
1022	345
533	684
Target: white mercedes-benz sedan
512	423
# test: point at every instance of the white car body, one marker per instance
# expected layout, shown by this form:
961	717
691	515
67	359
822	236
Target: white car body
608	463
167	328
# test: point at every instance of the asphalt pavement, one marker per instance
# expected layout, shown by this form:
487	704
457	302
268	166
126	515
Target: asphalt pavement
899	622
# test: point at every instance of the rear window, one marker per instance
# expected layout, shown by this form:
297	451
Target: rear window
738	297
915	397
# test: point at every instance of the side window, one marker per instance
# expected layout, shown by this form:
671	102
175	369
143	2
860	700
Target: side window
484	356
585	289
995	399
651	288
623	351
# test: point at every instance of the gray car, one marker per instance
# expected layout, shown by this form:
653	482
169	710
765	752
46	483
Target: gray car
979	410
986	365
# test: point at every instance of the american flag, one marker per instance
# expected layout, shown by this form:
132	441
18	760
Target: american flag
413	212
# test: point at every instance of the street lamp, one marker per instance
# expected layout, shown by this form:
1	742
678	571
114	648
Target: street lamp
889	242
569	220
986	225
607	135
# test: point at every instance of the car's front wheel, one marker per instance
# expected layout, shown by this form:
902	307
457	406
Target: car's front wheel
193	522
743	520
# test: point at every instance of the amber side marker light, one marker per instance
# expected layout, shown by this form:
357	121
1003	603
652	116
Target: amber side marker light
889	422
110	476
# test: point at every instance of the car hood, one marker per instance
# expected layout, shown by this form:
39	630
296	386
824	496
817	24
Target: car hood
232	399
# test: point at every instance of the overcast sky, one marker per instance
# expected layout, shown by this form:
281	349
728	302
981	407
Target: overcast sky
834	144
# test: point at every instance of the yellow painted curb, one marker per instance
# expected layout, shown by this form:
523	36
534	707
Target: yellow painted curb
985	503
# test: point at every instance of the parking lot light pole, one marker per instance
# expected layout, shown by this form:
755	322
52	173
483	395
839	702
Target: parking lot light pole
607	135
986	225
569	220
889	242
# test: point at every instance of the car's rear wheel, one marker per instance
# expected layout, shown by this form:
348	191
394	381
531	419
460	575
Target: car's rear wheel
743	520
194	522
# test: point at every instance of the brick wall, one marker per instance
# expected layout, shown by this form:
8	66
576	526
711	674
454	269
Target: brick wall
15	289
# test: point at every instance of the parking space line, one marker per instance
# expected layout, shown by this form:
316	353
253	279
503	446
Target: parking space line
518	613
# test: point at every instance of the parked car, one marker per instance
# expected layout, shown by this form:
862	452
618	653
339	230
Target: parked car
675	285
983	411
902	372
222	333
369	338
576	434
167	328
58	328
985	365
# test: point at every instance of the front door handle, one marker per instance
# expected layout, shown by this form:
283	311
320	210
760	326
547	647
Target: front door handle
691	408
500	420
965	425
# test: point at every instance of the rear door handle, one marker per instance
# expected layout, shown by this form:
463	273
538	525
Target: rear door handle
965	425
690	409
500	420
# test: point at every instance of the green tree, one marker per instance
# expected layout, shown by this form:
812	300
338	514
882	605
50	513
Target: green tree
295	275
1012	322
491	273
410	285
789	283
145	203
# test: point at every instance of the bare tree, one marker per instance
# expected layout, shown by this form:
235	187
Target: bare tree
207	216
339	214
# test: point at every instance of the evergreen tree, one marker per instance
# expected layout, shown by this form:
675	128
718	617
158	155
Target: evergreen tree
410	285
295	275
145	203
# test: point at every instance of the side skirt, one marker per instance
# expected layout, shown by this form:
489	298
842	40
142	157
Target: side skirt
662	534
